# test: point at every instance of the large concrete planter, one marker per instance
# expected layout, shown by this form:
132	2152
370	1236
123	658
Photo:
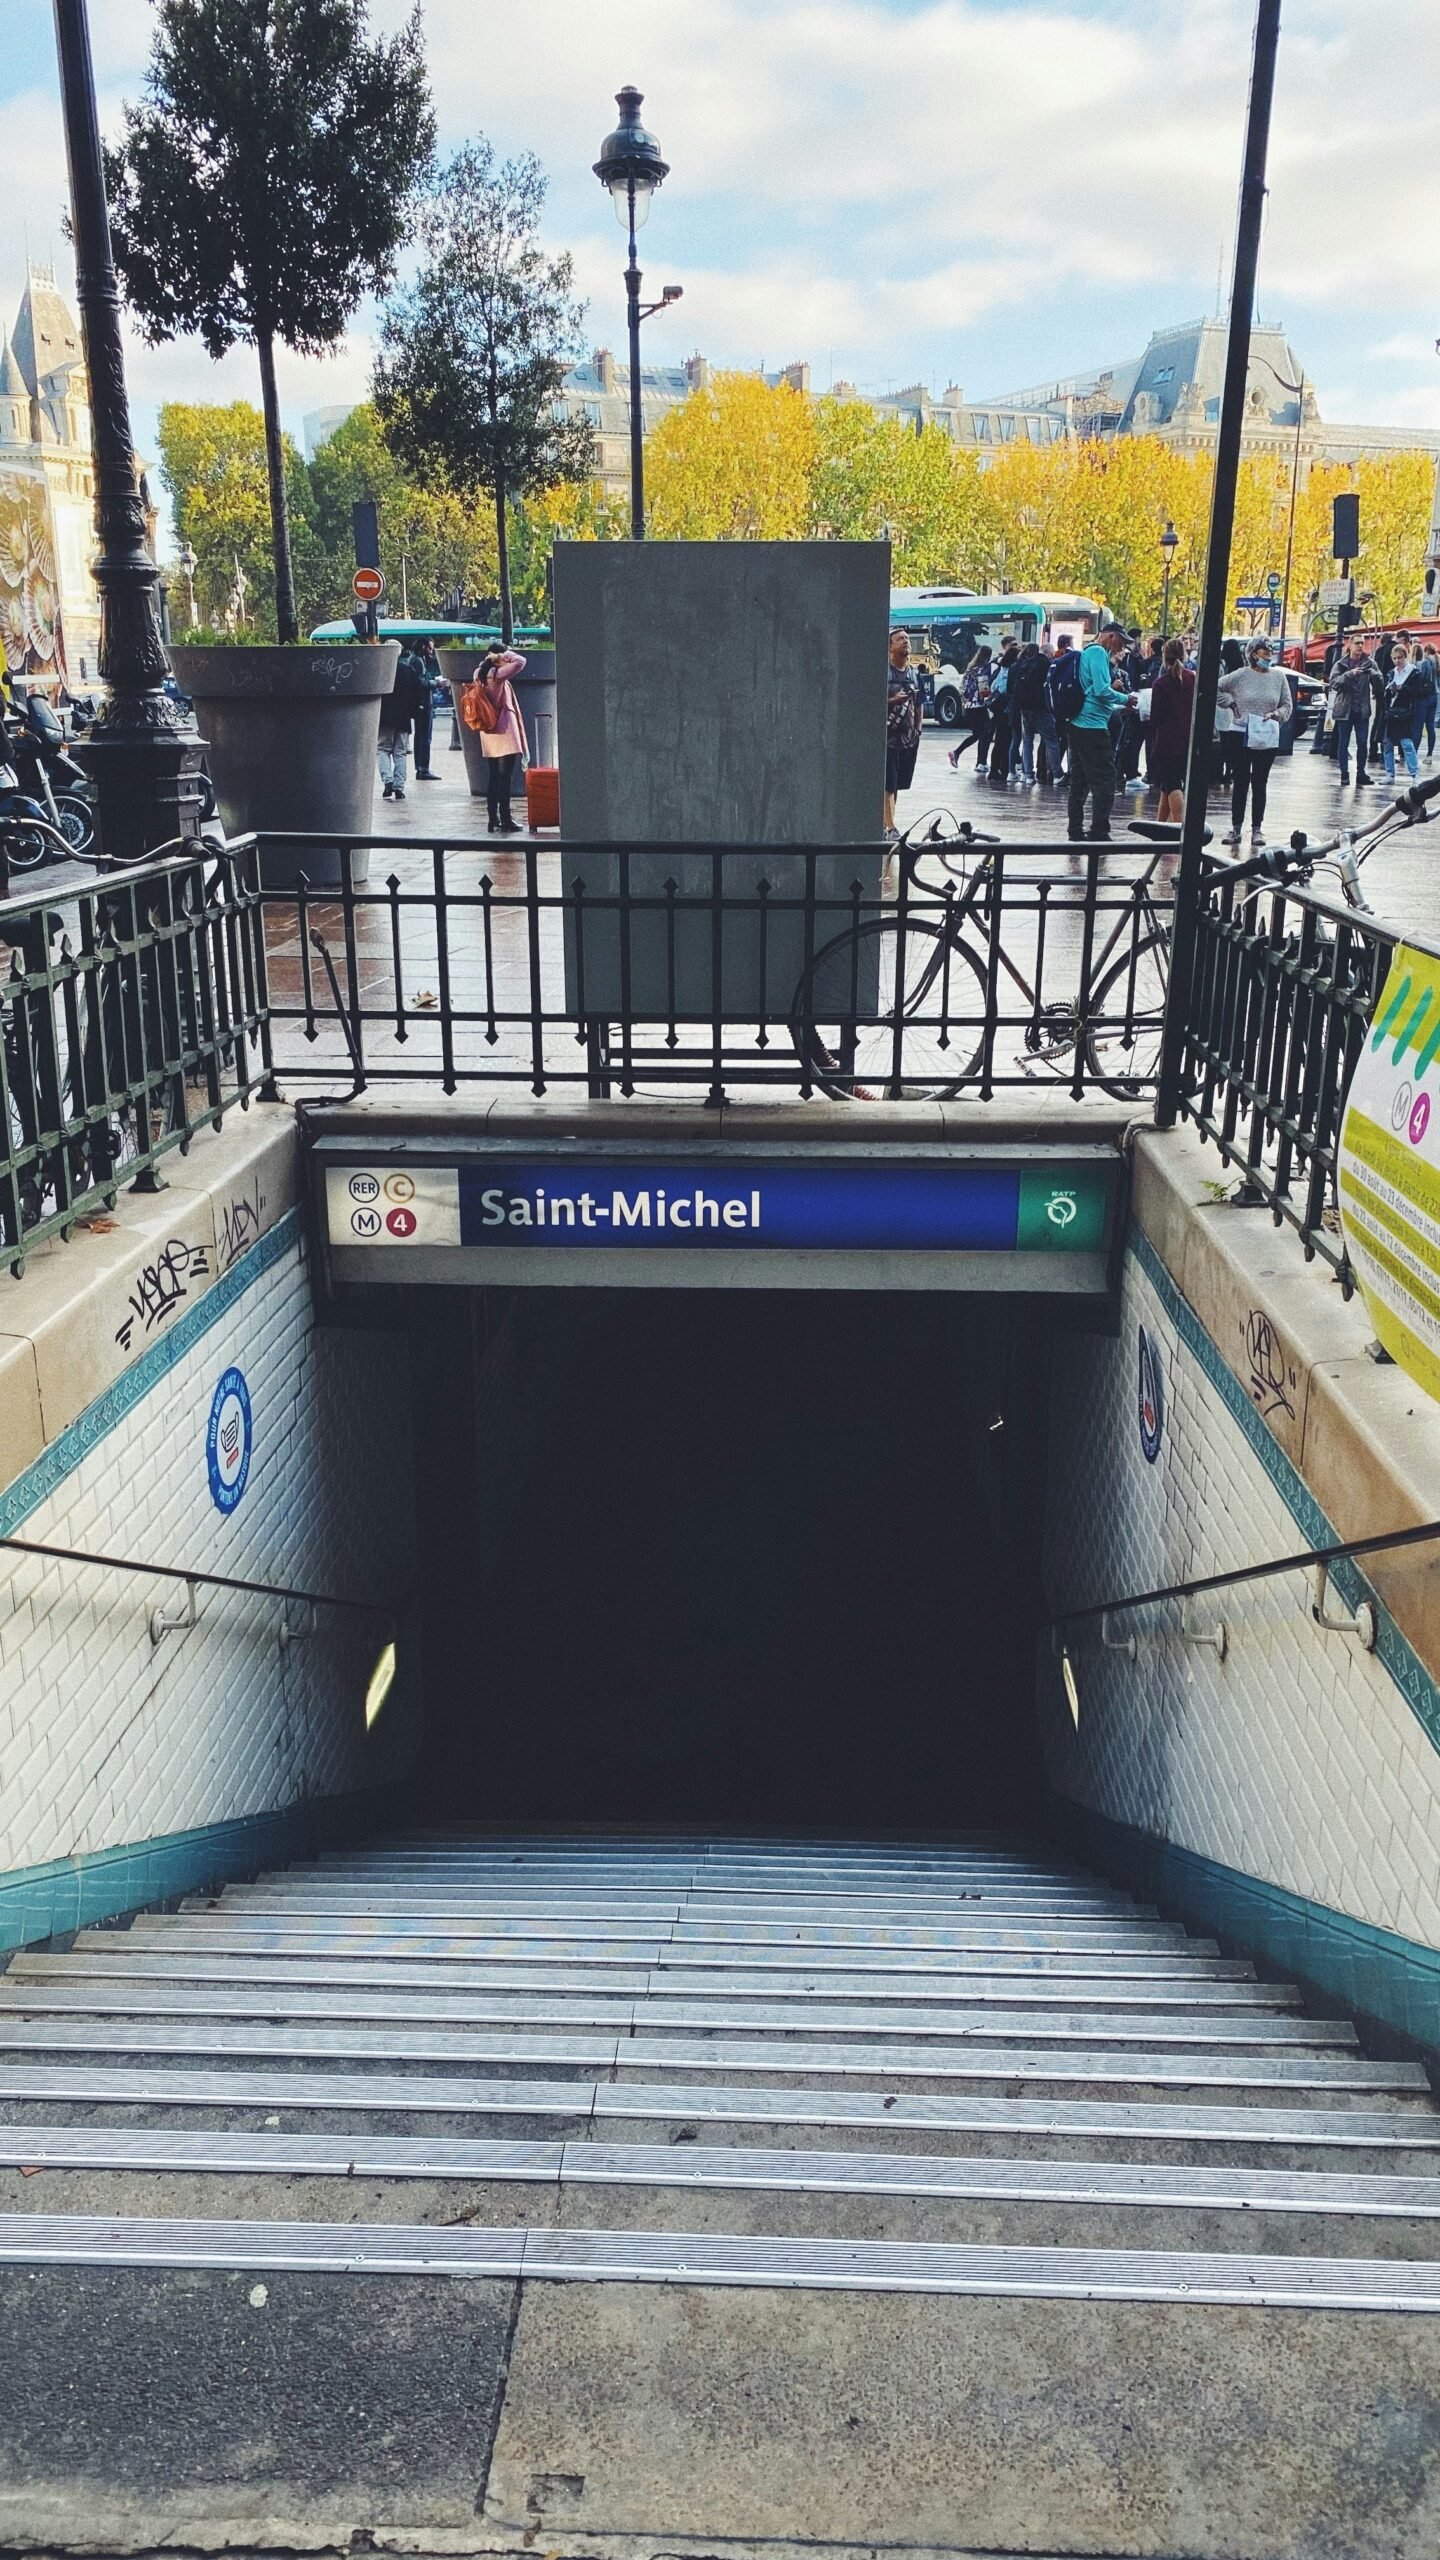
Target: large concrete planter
535	693
293	738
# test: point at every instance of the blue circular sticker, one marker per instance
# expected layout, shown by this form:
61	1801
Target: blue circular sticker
229	1440
1152	1397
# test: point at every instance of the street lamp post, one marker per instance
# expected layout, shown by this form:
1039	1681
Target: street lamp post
630	169
1296	391
1169	540
144	754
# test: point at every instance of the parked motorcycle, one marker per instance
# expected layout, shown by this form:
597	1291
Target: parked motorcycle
36	747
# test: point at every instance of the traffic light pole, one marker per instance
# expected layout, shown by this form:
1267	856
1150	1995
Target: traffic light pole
1217	564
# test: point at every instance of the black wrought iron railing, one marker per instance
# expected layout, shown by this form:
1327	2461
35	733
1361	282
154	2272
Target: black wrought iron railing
1283	987
133	1009
722	969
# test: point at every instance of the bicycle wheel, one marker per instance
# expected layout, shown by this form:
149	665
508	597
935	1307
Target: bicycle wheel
28	844
846	1008
77	821
1127	1020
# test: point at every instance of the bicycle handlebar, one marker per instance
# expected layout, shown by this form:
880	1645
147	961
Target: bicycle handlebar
1413	801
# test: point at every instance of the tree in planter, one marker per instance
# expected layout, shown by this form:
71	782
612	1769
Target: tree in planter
263	188
474	354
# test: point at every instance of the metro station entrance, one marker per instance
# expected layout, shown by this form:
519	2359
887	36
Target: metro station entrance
729	1558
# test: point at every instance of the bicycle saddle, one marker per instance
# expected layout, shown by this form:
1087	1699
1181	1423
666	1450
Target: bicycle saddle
1160	831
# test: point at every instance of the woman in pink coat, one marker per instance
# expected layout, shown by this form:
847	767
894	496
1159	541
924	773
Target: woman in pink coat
503	745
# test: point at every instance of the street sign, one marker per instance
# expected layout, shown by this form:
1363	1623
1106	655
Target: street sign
368	585
1253	604
1273	582
948	1221
1336	591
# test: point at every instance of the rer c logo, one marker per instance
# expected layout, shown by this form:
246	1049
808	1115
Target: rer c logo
1152	1398
229	1440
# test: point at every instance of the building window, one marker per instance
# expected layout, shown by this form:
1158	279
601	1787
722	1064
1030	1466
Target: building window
982	427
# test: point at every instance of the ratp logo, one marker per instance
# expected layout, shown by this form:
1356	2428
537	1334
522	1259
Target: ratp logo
1061	1208
1152	1398
229	1441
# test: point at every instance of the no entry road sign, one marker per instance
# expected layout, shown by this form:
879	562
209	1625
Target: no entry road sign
368	585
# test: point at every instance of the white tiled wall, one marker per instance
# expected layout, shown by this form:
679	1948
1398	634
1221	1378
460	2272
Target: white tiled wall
1295	1759
107	1739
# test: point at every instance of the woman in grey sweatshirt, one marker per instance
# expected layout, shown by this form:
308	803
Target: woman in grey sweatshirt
1257	692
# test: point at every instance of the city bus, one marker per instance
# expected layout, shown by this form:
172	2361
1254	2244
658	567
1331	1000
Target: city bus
945	627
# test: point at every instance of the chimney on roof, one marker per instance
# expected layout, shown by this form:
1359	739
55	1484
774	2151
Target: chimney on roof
607	369
954	396
697	372
797	377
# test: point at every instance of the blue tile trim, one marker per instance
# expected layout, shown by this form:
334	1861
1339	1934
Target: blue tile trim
72	1893
1411	1678
1391	1979
89	1428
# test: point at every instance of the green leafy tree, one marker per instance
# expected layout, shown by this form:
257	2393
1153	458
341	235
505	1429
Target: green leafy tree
263	187
474	354
212	464
431	540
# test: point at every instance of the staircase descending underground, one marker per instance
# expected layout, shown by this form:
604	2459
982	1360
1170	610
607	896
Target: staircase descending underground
842	2193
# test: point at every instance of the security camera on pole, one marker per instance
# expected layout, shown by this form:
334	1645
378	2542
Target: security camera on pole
630	169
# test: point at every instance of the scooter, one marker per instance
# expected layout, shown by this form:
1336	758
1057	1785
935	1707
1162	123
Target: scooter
28	837
37	748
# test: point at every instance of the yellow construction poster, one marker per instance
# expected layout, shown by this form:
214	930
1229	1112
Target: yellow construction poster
1389	1168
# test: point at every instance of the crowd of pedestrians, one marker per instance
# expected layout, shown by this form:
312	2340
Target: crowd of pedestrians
1094	718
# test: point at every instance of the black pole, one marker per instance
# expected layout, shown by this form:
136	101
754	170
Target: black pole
1165	603
143	752
637	424
1217	563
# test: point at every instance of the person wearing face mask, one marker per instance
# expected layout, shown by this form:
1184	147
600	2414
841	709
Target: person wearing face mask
1405	691
1258	697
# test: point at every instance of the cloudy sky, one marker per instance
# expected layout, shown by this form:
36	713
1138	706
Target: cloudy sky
988	192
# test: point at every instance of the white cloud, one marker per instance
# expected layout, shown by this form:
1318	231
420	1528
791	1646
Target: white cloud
891	182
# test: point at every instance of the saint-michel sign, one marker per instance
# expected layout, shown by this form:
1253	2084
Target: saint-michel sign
488	1212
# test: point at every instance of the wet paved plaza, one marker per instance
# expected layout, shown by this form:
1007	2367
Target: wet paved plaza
497	951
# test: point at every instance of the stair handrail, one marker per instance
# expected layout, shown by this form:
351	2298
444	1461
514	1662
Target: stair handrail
391	1611
1297	1563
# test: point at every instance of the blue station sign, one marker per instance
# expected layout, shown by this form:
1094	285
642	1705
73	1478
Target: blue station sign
498	1205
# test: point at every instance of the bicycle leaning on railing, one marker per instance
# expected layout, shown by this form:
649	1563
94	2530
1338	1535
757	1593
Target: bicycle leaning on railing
937	956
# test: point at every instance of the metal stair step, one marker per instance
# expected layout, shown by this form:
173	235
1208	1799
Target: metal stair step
215	1937
36	1994
1075	2201
716	2057
721	2259
982	1989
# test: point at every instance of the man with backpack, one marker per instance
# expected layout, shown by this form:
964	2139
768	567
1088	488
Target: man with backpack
1086	703
397	717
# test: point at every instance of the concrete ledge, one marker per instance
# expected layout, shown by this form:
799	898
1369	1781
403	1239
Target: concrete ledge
1364	1437
87	1308
1045	1118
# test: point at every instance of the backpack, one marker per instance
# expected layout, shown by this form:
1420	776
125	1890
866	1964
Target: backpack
1067	686
476	708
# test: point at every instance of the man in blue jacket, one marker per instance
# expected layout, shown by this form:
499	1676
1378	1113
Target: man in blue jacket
1092	753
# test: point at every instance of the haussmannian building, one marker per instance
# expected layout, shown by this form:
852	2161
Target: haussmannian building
1171	391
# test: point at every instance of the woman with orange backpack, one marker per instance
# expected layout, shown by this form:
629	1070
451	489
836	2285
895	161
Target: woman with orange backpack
489	706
